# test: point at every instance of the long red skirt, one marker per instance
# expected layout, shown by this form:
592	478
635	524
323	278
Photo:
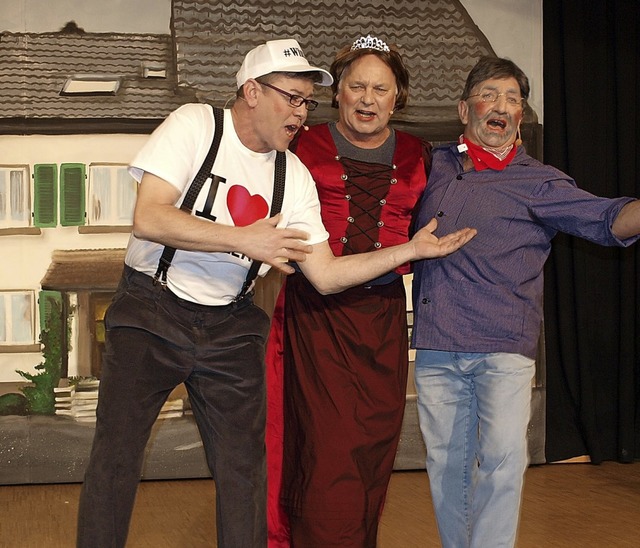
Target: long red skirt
277	520
344	371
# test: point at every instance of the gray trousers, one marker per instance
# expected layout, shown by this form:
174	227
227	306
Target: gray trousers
154	342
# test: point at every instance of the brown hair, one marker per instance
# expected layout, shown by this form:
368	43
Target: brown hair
488	68
346	56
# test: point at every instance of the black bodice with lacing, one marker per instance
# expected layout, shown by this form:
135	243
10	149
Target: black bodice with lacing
367	186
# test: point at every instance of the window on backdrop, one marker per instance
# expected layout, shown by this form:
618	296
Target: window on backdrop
15	198
112	195
17	318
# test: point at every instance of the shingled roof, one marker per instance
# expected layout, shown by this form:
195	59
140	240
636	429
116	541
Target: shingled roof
84	269
34	68
209	38
437	38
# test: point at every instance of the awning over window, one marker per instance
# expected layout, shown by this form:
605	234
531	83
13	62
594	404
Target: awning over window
84	270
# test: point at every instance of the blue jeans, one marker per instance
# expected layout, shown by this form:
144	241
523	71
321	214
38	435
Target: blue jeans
474	412
156	341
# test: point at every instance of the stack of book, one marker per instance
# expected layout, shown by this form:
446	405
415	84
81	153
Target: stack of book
63	395
78	400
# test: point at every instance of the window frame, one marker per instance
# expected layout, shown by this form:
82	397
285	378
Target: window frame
115	217
8	222
7	314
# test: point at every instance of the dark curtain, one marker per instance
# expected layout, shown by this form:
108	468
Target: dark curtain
592	293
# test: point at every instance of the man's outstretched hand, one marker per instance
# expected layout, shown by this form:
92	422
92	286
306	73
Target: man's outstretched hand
428	246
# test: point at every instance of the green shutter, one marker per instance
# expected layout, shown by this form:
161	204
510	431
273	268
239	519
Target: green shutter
45	207
72	192
46	301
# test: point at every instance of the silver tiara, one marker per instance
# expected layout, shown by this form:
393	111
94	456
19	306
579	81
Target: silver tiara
369	42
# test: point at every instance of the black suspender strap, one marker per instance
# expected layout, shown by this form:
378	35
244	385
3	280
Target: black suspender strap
203	174
279	177
190	197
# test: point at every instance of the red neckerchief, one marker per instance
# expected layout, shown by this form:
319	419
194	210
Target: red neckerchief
483	159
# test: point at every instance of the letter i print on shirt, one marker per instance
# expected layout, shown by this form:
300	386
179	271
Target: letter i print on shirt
211	196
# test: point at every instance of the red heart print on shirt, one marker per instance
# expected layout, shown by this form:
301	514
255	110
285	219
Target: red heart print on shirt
244	207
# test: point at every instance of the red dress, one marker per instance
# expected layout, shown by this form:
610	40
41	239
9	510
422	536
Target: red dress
337	365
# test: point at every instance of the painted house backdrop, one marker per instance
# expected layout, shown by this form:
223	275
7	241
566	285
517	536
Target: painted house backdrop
75	106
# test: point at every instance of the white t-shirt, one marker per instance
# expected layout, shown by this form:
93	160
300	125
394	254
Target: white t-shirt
174	152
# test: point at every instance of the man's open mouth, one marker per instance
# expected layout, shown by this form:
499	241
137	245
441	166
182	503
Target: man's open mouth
497	123
366	113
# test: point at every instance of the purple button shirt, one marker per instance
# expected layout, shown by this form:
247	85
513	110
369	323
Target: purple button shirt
487	297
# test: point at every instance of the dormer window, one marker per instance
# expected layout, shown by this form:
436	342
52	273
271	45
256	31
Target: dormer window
91	84
153	70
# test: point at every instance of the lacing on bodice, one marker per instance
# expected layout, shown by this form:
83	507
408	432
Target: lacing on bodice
367	186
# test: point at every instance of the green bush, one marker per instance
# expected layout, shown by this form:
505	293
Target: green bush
40	395
13	404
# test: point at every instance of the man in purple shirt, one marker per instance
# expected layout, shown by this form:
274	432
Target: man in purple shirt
478	312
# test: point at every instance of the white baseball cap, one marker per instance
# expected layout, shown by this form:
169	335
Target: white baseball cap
277	56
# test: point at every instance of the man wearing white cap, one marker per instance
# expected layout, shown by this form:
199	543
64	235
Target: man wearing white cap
183	312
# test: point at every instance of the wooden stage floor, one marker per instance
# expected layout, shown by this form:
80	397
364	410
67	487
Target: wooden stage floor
565	505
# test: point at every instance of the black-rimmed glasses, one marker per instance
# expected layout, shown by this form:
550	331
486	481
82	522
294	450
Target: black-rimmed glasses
294	100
